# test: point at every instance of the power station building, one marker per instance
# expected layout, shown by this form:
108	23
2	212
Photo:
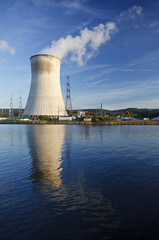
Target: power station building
45	96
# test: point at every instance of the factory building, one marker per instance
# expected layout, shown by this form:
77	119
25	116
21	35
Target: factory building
45	96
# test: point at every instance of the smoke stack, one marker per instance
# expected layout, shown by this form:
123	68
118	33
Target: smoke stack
45	97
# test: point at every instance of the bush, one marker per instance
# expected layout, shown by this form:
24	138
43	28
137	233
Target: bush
101	118
44	118
95	119
109	118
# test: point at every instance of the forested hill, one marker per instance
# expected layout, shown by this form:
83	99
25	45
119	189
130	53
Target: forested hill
134	112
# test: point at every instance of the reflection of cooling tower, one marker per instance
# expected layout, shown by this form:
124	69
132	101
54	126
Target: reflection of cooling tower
45	143
45	97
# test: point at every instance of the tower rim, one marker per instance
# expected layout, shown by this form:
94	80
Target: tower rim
47	55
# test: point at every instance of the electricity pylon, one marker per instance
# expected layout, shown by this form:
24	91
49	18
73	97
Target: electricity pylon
11	113
68	104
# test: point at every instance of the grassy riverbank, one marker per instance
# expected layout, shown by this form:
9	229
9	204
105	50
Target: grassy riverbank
150	122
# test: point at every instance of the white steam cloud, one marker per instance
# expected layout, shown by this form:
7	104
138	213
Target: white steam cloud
5	47
84	46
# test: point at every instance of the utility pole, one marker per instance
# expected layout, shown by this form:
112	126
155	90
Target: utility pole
20	107
68	104
101	110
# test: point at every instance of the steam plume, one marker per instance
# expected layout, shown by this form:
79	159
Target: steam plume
84	46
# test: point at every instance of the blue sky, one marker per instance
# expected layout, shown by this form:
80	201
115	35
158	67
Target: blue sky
109	48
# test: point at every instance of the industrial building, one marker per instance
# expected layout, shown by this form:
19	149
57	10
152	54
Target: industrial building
45	96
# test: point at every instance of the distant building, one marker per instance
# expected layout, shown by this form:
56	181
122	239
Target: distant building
81	114
145	119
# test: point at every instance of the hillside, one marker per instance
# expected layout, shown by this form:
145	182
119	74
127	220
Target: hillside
134	112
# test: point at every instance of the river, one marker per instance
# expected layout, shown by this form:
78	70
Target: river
79	182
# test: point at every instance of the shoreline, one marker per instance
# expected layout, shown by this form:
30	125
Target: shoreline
115	123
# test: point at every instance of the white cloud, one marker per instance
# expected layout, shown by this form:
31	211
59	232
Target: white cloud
71	6
122	96
98	82
84	46
132	12
152	56
154	24
5	47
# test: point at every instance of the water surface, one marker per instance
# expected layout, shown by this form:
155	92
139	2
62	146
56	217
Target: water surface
79	182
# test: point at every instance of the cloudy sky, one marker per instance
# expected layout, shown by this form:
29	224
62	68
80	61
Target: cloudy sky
109	48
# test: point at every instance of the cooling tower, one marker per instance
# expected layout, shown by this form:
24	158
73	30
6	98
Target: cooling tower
45	96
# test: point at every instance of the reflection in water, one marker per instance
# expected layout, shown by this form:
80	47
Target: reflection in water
45	143
77	196
99	182
87	130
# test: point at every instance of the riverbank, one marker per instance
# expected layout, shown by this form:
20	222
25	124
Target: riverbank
150	122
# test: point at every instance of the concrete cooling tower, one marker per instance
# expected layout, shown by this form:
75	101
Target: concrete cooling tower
45	96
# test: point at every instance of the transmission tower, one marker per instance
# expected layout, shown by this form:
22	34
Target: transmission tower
11	113
20	107
68	104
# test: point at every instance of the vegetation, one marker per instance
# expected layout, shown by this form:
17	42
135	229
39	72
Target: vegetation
5	115
134	112
44	118
140	113
102	119
95	114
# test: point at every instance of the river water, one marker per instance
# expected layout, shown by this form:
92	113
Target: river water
79	182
